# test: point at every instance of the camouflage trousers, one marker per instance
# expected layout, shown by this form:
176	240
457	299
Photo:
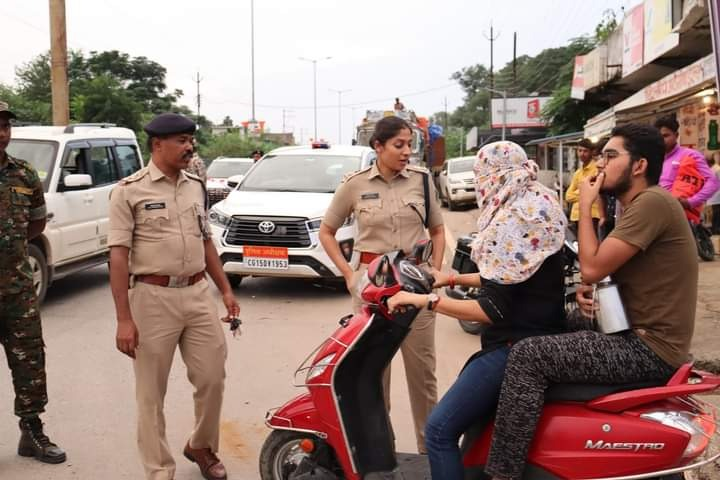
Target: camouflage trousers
21	336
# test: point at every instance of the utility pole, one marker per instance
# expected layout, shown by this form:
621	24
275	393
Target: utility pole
314	63
197	81
446	115
514	60
252	58
285	114
492	39
58	70
339	92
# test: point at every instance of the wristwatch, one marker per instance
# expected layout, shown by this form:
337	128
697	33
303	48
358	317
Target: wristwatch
433	300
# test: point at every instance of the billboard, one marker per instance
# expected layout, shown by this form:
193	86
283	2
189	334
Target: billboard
715	30
658	37
521	112
577	90
633	28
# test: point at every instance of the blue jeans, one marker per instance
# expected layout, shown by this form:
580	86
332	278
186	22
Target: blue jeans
472	397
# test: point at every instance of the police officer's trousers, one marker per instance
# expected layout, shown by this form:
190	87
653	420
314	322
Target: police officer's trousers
418	351
21	336
165	318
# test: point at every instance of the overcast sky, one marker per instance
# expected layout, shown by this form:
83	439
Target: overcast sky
380	49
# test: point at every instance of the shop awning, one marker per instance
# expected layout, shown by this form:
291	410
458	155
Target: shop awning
557	140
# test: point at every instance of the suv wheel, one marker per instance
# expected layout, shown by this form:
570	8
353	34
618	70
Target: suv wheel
38	265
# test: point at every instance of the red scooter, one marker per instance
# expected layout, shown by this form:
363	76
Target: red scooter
339	428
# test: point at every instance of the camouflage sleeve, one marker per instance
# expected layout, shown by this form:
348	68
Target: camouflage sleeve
38	211
122	218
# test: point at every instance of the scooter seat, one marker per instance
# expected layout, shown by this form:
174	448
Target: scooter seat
584	392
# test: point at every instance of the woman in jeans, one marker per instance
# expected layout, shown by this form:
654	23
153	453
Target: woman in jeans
517	249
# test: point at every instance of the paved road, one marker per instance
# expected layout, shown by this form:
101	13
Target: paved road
92	412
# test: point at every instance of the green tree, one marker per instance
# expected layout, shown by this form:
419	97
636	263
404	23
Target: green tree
107	86
103	98
233	145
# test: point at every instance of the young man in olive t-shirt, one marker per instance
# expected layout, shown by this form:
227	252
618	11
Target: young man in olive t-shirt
651	255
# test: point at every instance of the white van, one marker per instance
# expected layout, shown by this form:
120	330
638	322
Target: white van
78	166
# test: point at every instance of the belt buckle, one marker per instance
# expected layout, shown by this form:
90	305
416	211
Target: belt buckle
178	282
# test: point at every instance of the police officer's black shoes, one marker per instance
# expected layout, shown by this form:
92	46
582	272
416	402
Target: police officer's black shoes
34	443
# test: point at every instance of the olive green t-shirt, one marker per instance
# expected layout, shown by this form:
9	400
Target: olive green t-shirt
658	285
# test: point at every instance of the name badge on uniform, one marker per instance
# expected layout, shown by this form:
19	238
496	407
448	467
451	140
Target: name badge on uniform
155	206
370	196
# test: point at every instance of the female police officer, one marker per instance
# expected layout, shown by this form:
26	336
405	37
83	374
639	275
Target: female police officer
388	200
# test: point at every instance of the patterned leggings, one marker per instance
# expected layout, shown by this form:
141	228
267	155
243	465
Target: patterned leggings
580	357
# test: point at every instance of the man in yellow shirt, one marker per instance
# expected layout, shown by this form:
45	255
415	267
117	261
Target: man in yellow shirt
572	195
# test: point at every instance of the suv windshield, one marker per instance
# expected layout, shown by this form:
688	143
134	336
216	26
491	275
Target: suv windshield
226	168
300	173
39	154
464	165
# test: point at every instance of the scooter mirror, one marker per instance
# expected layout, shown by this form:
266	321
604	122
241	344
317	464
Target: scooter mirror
421	252
427	252
383	274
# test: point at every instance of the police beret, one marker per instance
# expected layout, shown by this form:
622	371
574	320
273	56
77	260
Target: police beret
169	124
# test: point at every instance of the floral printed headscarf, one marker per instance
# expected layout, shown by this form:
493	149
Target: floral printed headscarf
521	222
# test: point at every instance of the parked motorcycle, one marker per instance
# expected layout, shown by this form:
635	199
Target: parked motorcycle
703	240
339	428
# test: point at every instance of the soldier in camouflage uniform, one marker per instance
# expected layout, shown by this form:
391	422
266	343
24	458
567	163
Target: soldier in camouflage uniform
22	217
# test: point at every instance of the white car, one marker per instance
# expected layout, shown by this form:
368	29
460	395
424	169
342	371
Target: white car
269	225
78	166
457	182
223	174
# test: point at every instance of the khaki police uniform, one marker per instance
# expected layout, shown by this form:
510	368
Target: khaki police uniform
390	216
163	223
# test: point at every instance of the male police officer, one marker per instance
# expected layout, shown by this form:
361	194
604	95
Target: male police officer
22	217
160	250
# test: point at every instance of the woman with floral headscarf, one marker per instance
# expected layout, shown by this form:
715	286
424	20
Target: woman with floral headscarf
521	230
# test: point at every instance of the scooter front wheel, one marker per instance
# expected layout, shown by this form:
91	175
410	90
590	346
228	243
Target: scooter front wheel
282	458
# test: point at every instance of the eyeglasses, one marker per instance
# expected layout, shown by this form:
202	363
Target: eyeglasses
608	155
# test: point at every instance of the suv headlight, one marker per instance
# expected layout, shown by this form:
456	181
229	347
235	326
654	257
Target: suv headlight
216	217
313	225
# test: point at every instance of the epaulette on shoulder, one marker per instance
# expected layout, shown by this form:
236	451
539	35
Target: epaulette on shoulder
134	177
192	176
350	175
417	168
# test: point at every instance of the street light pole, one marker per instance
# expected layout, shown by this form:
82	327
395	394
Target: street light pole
252	56
504	114
339	92
314	62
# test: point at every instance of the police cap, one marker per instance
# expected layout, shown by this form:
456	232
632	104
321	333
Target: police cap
169	124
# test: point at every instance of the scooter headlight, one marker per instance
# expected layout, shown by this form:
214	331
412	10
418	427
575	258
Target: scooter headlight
700	427
319	367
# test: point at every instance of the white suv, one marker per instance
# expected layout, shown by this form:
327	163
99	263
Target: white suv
457	182
269	225
78	166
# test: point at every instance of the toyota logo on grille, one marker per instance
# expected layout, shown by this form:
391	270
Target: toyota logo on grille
266	227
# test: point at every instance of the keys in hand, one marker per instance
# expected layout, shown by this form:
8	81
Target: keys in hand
235	323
